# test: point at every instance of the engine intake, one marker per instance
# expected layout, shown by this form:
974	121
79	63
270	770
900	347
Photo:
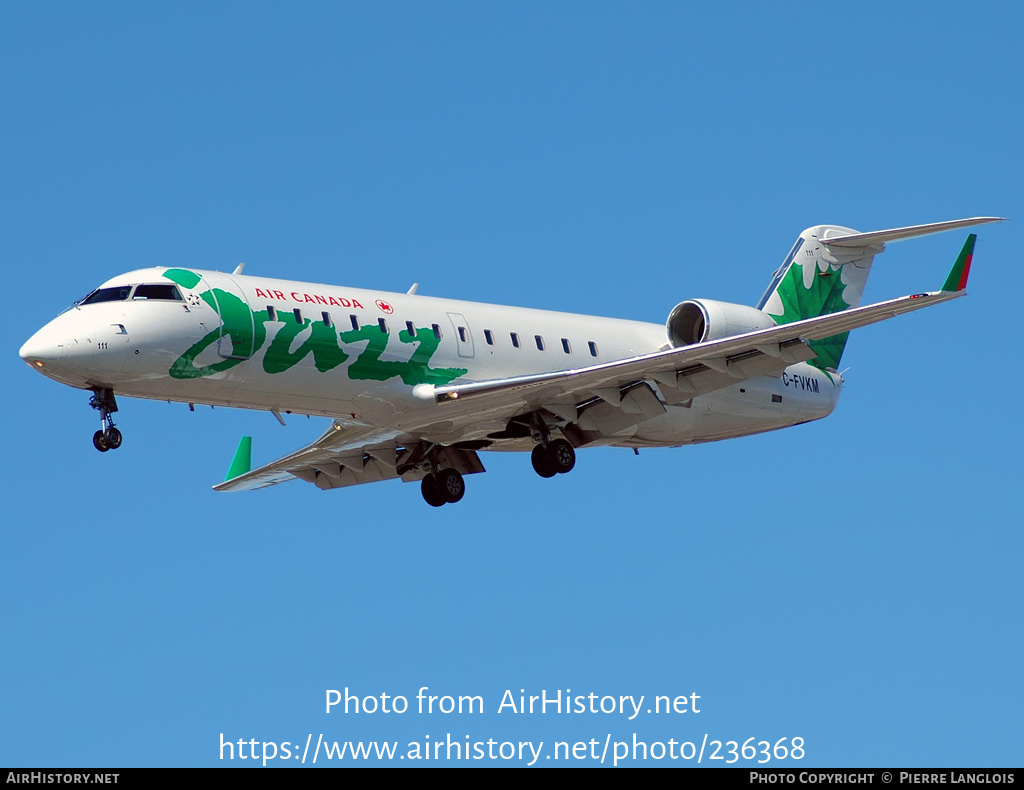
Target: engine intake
698	320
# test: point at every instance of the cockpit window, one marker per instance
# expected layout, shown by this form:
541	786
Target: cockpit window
163	291
117	294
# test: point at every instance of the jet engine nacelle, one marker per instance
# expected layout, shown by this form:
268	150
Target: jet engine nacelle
697	320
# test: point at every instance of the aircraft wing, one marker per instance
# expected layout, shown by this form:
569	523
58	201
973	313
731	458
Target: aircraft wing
689	369
339	441
347	455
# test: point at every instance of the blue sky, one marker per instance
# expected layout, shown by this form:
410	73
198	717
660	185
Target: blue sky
853	582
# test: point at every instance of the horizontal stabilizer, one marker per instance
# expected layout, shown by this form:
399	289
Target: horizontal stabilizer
882	236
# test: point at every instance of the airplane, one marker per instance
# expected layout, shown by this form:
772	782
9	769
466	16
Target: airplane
416	386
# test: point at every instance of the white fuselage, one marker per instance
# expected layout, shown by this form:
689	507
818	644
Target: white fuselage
349	354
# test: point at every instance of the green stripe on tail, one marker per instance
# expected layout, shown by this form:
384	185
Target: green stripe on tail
957	279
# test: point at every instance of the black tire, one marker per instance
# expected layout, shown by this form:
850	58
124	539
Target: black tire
113	437
561	457
539	458
451	485
99	441
430	491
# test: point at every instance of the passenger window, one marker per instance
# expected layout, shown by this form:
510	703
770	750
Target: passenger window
565	346
383	324
437	331
355	322
271	312
327	319
489	337
593	348
410	327
540	342
515	340
298	315
463	335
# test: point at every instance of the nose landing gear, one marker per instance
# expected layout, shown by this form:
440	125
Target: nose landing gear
108	437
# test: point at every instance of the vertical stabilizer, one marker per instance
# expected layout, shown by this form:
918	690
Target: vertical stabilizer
819	279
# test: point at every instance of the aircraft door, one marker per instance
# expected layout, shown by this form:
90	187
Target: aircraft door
237	327
463	335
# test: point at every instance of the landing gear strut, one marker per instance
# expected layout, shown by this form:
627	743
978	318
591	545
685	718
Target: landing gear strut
108	437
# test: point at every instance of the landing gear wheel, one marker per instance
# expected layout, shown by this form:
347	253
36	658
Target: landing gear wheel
430	491
108	437
541	466
561	457
451	485
112	437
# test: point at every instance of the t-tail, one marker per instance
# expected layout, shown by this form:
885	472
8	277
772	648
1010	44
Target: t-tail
827	269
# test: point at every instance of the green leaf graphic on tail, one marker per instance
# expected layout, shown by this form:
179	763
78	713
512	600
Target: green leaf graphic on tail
823	297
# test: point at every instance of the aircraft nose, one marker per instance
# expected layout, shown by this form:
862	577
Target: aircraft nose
42	351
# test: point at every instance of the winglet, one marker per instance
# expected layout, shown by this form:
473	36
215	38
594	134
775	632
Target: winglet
242	462
957	279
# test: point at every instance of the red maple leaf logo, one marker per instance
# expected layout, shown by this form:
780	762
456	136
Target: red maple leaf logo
385	307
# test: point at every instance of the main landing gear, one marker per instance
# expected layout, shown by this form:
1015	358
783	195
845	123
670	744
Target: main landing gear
550	457
446	486
108	437
556	458
442	484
